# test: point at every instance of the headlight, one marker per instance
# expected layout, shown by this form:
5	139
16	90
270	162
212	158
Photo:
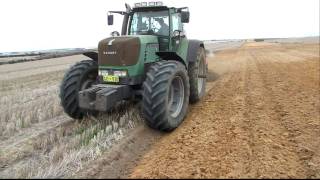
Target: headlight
137	4
159	3
152	3
120	73
103	73
144	4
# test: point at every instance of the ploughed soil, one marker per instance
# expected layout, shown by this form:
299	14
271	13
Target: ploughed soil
259	119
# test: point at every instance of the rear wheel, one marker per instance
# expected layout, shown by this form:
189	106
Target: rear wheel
79	77
197	74
165	95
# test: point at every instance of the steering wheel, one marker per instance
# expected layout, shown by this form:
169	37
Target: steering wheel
146	32
151	32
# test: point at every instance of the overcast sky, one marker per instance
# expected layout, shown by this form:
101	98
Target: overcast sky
50	24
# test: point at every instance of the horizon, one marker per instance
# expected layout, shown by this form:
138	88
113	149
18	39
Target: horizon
206	40
71	48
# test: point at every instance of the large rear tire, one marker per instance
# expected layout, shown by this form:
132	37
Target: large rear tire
165	95
197	73
79	77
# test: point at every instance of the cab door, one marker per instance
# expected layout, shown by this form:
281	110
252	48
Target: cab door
176	32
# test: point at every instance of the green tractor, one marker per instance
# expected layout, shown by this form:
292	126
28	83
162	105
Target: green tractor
151	61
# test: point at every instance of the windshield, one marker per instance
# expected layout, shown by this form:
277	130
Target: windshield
155	22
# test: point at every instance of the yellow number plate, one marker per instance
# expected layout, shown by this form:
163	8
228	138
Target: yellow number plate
111	78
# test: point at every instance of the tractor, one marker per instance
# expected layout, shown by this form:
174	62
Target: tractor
152	62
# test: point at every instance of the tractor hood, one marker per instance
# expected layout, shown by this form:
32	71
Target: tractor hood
123	50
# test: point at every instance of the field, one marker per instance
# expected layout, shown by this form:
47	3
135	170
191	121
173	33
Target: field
260	118
18	57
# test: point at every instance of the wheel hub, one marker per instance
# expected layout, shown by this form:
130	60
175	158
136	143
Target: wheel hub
201	71
176	96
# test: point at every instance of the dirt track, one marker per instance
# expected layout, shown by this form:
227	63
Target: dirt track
260	119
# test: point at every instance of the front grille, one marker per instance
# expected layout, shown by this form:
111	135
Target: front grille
119	51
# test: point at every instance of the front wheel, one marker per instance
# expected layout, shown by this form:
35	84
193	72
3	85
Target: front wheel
79	77
165	95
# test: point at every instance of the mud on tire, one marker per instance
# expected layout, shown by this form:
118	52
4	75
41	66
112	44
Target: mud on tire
80	76
165	95
197	89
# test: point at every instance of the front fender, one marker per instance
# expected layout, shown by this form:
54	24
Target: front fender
193	47
170	55
91	54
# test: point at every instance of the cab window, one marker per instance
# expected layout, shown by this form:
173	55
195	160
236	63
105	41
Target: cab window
176	22
151	23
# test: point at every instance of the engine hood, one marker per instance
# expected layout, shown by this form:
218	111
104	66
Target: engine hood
123	50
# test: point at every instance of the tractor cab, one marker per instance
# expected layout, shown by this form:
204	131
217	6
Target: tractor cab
155	19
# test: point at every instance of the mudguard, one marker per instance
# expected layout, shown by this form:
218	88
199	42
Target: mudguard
91	54
193	49
170	55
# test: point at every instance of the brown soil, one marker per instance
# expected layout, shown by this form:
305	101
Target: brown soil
261	119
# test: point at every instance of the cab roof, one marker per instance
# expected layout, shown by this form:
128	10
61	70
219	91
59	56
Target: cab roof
150	8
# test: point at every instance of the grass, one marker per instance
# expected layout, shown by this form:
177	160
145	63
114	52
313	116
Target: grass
27	101
84	142
62	151
26	108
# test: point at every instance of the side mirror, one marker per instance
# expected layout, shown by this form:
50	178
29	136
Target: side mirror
185	16
115	33
110	19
